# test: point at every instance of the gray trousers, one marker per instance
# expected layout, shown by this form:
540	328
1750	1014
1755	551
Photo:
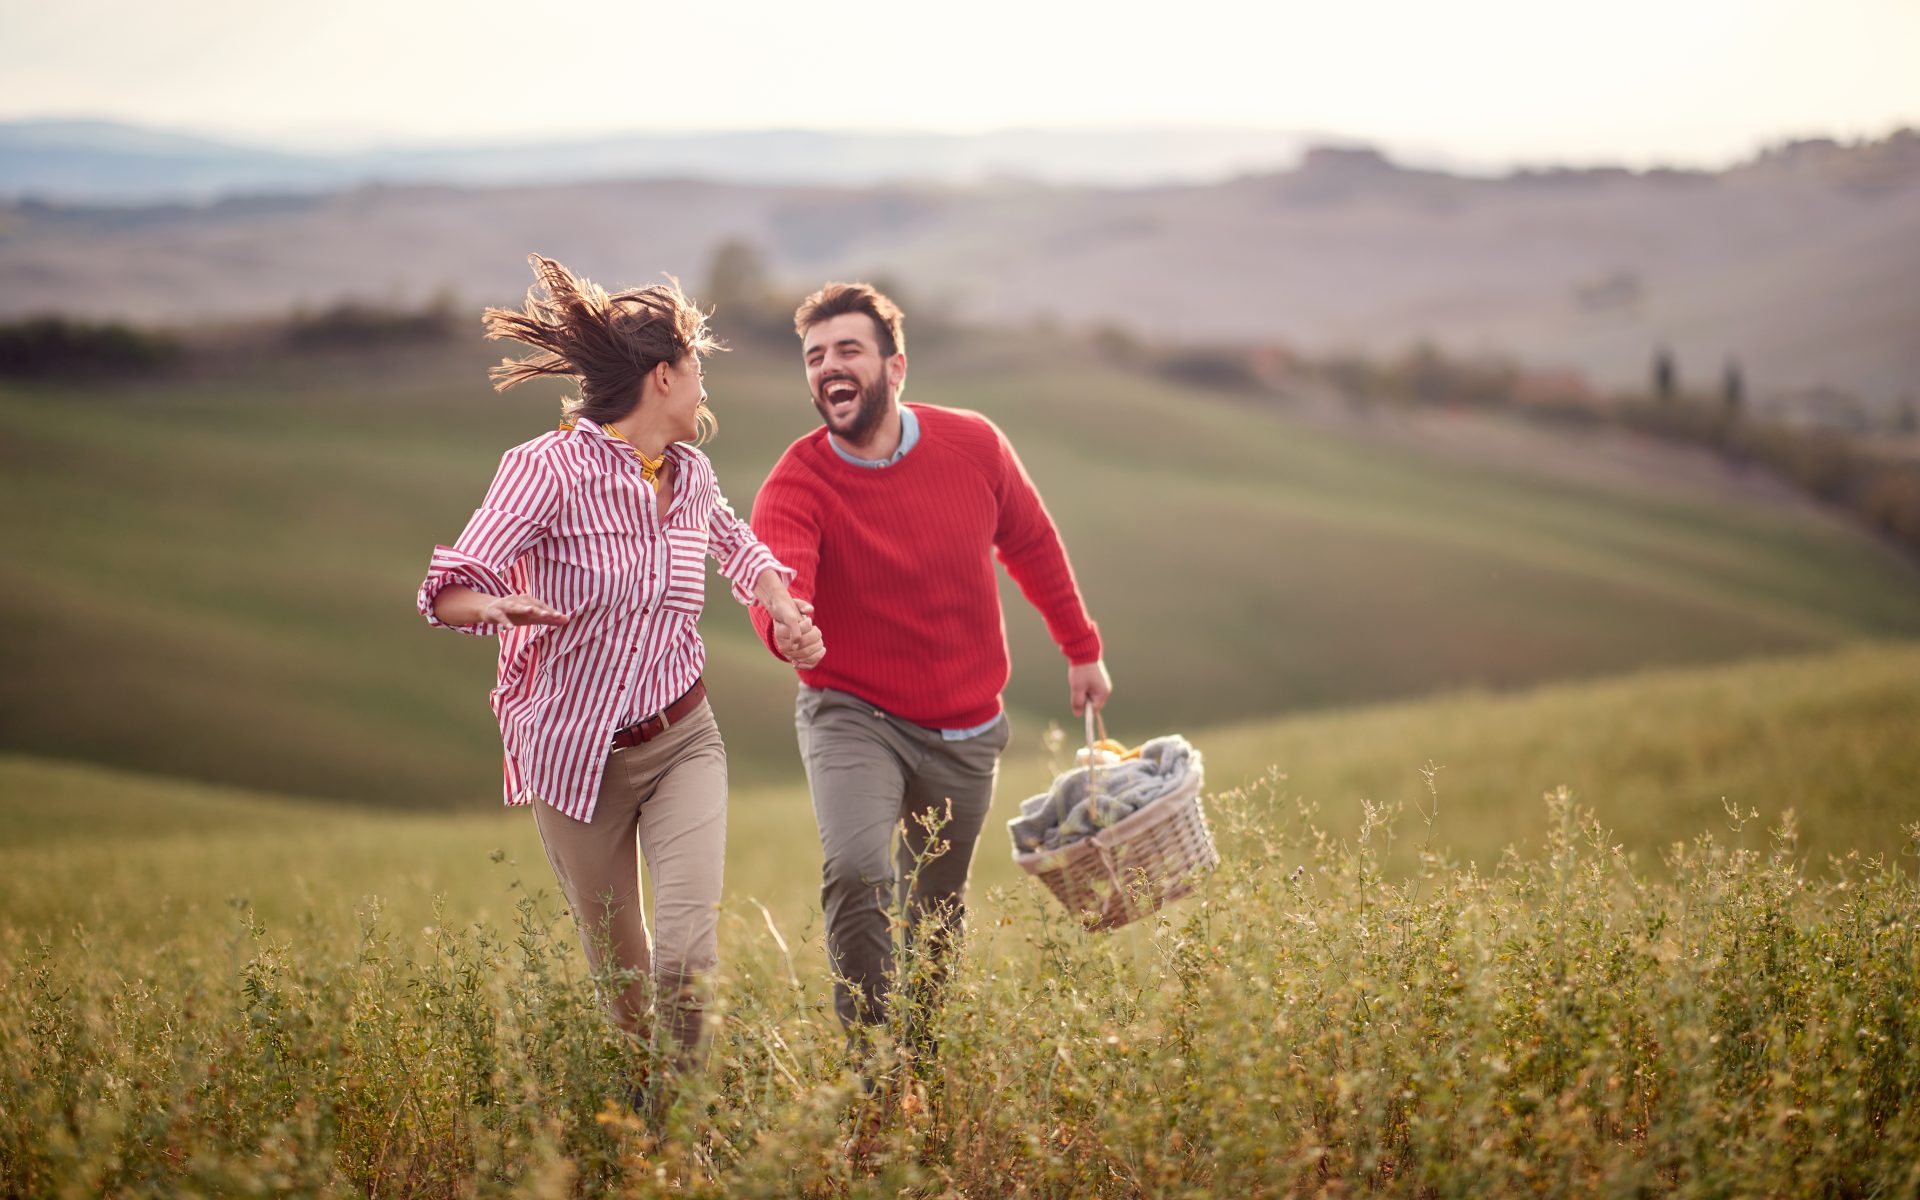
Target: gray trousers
872	776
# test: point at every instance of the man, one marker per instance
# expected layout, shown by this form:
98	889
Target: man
891	515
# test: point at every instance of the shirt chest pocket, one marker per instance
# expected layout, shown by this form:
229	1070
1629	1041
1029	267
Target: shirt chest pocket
686	570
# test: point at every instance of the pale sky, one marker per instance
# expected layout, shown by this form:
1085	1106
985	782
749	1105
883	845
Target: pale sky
1475	81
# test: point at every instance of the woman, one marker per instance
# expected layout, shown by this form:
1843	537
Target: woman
587	559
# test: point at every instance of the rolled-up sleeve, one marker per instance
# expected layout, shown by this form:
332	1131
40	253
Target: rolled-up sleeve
514	517
741	555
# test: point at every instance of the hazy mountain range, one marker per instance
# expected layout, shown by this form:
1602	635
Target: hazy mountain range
108	162
1803	264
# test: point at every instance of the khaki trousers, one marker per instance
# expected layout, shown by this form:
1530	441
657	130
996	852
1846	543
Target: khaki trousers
872	775
669	795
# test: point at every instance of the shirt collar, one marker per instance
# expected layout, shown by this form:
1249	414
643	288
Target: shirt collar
909	435
584	425
622	445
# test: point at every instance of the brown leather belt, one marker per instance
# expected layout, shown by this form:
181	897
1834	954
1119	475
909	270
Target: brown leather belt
660	722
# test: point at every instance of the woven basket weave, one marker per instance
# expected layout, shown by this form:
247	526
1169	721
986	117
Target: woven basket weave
1134	866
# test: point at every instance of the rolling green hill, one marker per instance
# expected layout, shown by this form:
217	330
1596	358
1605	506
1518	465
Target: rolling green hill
1829	736
213	578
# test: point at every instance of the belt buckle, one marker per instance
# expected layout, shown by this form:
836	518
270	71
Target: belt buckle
640	727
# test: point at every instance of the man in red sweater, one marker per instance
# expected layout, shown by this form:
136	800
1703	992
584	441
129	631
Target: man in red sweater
891	516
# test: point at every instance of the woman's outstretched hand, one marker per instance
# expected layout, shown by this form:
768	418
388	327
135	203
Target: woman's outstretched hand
509	611
463	607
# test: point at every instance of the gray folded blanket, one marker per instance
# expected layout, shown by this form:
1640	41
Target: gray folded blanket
1065	814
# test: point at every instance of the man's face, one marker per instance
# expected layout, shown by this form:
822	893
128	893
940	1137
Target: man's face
851	384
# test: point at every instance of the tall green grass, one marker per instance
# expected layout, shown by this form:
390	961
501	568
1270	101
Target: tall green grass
1462	989
1306	1024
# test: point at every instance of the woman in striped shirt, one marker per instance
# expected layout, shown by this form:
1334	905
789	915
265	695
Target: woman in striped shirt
587	559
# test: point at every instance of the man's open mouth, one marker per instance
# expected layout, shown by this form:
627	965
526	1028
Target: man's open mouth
842	396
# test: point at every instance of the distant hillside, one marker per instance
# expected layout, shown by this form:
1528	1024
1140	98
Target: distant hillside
213	577
1801	264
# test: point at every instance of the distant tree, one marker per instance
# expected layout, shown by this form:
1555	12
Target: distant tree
1221	368
1733	388
1907	420
1117	344
53	346
737	277
1665	381
1354	377
355	324
1422	375
445	305
745	300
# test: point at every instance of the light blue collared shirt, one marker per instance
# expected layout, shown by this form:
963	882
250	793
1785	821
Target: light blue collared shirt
961	735
910	437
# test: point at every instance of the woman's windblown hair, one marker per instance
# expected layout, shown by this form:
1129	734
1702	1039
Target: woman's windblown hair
607	343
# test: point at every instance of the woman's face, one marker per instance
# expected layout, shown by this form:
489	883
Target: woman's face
686	392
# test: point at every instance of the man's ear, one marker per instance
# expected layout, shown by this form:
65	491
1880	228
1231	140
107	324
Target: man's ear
897	371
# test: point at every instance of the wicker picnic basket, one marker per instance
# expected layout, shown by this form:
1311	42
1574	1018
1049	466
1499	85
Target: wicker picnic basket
1134	866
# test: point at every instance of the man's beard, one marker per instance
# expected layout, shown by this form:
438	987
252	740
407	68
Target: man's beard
875	398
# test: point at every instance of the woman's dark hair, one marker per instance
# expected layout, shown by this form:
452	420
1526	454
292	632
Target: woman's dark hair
607	343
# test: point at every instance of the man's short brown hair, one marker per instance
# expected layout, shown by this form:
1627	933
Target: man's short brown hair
836	299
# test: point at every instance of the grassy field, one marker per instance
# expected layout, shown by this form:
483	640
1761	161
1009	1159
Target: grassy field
211	579
208	991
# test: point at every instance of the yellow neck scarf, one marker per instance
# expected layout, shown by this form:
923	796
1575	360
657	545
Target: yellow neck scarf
649	467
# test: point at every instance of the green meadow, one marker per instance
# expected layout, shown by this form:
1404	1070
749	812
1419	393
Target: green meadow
213	577
1568	824
1651	935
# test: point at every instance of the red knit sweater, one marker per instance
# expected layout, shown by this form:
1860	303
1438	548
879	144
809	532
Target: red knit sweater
898	562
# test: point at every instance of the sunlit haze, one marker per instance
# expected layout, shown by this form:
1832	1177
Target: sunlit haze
1481	82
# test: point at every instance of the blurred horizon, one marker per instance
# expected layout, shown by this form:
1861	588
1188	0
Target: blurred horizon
1481	85
134	130
86	160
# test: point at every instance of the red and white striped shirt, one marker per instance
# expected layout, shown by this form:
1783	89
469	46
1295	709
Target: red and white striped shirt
570	520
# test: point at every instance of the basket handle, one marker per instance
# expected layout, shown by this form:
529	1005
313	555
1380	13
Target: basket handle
1094	721
1097	722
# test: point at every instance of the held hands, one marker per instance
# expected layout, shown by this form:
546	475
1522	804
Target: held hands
794	633
1087	683
509	611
